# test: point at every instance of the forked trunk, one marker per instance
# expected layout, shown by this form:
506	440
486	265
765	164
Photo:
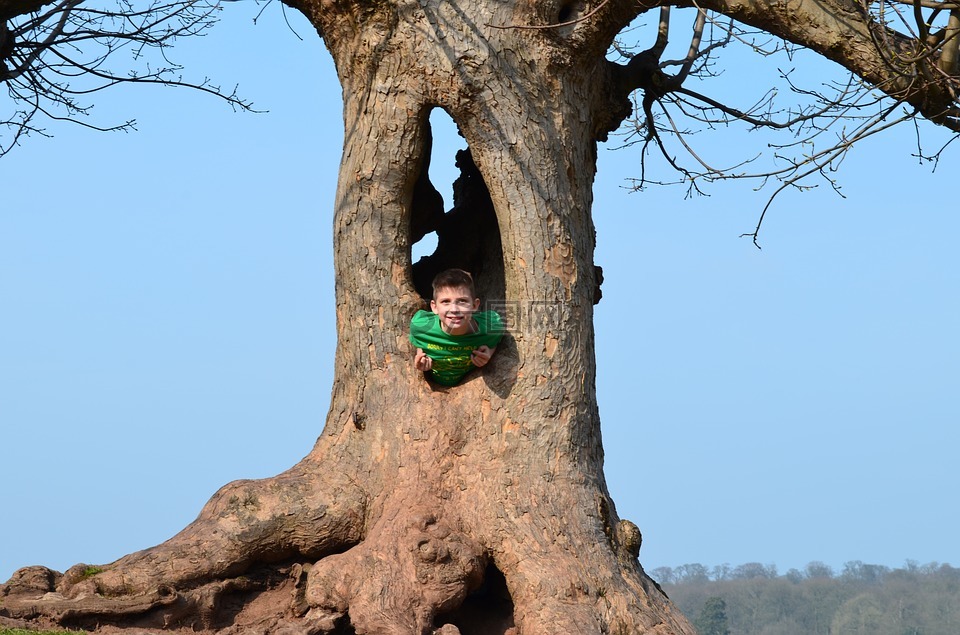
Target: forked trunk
479	508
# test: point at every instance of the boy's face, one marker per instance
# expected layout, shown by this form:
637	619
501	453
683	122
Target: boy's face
455	308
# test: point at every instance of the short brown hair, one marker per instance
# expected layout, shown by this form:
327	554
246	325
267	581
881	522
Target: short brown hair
453	279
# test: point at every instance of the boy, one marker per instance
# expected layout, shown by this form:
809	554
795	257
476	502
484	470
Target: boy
453	336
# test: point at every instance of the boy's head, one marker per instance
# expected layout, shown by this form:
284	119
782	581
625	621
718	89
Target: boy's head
453	279
454	301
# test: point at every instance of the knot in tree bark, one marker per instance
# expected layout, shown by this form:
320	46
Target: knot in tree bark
630	539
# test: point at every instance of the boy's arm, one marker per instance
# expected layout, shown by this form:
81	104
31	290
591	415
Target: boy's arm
482	355
422	361
492	324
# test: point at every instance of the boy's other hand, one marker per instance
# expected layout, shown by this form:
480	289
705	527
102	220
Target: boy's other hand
422	361
481	356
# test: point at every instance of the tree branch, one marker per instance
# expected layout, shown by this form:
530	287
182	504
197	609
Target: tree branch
845	32
51	58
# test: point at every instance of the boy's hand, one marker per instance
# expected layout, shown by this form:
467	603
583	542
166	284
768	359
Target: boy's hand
481	356
422	361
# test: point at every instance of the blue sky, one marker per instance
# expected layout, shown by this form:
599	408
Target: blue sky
167	326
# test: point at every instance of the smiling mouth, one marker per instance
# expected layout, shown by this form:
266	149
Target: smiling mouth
454	321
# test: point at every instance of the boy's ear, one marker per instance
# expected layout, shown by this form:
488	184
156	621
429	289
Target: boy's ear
433	306
476	304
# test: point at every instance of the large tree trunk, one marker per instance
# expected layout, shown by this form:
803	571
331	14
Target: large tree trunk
476	509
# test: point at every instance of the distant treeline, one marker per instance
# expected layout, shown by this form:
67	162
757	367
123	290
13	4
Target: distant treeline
863	599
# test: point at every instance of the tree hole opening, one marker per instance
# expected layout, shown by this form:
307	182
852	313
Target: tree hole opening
343	626
486	611
569	11
424	247
467	235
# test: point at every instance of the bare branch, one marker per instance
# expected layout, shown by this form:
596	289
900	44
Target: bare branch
53	57
663	32
949	59
694	51
825	123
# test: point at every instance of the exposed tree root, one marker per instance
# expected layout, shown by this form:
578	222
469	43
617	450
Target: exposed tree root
249	539
296	515
409	570
458	530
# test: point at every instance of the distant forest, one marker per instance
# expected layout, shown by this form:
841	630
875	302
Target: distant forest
863	599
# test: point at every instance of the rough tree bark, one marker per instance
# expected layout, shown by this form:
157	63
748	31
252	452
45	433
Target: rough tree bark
475	509
481	507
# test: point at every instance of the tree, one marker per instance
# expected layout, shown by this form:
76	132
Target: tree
860	615
897	603
713	618
482	507
818	570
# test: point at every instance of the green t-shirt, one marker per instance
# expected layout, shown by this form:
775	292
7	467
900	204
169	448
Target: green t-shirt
451	353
